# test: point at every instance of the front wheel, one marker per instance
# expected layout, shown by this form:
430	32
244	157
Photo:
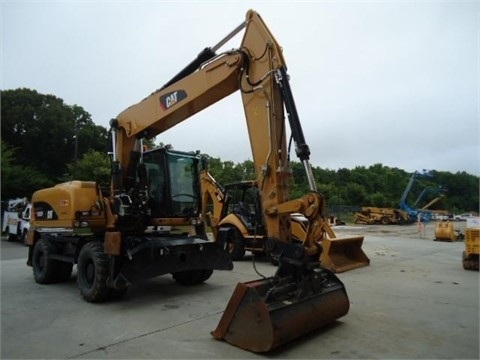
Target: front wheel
44	268
92	272
236	244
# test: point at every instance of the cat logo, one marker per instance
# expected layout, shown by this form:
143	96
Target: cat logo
172	98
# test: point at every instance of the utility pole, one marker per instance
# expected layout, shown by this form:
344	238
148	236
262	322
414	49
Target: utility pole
75	151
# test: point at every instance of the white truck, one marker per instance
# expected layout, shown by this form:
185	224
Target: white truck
16	220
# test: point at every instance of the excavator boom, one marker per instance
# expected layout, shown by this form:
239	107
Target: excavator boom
302	295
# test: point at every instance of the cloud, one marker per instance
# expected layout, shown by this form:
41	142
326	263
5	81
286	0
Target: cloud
375	82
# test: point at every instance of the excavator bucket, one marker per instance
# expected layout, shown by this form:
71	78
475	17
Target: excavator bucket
445	231
269	312
340	255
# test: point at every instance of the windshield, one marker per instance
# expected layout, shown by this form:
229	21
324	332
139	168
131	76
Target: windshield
184	183
173	183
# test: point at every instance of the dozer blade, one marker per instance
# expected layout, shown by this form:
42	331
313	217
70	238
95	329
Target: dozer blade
267	313
340	255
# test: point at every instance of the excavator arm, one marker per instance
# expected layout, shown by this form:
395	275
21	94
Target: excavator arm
301	296
258	69
212	190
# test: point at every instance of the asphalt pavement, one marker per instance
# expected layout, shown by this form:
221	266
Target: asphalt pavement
415	300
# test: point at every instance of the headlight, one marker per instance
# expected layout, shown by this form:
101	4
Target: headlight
81	224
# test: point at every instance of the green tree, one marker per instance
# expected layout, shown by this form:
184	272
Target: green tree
93	166
226	172
355	194
45	131
41	134
330	192
19	180
378	199
299	181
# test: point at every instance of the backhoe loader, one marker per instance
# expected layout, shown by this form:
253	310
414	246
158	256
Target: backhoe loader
237	209
113	236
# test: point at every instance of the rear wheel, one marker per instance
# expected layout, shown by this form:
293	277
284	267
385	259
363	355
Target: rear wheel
192	277
236	244
92	273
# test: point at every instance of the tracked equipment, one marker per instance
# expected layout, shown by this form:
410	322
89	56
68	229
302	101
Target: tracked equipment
264	314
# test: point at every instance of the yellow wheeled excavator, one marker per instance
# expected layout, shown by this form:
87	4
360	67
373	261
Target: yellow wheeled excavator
127	233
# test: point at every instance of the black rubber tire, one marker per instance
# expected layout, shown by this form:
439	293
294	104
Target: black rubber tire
44	268
236	244
24	237
192	277
470	263
92	273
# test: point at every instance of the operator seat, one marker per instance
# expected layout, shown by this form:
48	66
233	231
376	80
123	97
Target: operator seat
156	189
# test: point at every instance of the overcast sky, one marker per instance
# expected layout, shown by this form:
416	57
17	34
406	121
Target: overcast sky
390	82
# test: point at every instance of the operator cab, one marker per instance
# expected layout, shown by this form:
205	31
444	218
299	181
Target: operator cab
173	182
244	201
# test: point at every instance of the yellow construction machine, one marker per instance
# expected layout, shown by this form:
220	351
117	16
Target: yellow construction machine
127	233
471	253
236	212
445	231
370	215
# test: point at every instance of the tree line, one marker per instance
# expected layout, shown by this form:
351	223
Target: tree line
45	141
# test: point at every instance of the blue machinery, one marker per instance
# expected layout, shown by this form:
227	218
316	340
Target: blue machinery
413	212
